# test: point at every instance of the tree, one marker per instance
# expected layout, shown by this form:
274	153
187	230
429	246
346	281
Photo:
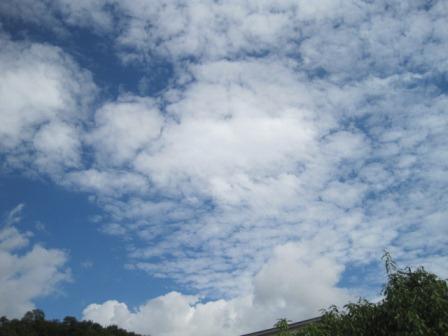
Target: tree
34	315
33	323
282	326
415	303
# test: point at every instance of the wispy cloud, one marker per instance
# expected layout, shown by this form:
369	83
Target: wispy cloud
14	216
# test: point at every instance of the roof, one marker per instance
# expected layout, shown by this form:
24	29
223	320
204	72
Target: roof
292	326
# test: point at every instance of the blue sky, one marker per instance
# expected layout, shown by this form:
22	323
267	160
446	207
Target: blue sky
199	168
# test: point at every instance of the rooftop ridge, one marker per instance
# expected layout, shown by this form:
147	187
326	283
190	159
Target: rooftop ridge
294	325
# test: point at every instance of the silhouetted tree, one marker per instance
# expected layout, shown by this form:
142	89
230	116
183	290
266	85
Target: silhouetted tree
34	315
33	323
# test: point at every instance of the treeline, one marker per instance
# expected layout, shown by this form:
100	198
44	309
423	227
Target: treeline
34	323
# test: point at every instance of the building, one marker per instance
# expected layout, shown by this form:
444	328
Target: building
292	327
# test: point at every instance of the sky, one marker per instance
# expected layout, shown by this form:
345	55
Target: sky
207	167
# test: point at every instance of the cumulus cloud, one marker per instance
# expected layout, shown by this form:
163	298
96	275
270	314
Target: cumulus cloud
287	285
27	271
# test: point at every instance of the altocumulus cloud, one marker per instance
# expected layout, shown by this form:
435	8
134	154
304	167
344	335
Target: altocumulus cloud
294	136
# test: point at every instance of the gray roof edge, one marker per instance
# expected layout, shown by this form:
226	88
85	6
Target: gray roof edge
294	325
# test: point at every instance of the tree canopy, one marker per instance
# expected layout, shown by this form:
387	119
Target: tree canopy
415	303
33	323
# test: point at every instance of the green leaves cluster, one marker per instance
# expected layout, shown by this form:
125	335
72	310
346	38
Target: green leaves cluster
415	303
33	323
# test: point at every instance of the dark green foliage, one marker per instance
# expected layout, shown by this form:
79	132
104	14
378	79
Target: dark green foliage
415	303
34	315
33	323
282	326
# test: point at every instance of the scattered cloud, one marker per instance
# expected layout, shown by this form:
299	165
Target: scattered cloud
87	264
293	129
27	271
44	95
286	284
112	139
14	216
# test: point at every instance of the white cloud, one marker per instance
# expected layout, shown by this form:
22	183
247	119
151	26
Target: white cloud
248	137
90	13
214	30
253	154
343	194
107	181
14	216
26	272
57	145
44	95
29	11
55	14
233	122
322	125
288	285
124	127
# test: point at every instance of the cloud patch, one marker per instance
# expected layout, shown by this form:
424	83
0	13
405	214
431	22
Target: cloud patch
44	95
27	271
288	285
316	130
